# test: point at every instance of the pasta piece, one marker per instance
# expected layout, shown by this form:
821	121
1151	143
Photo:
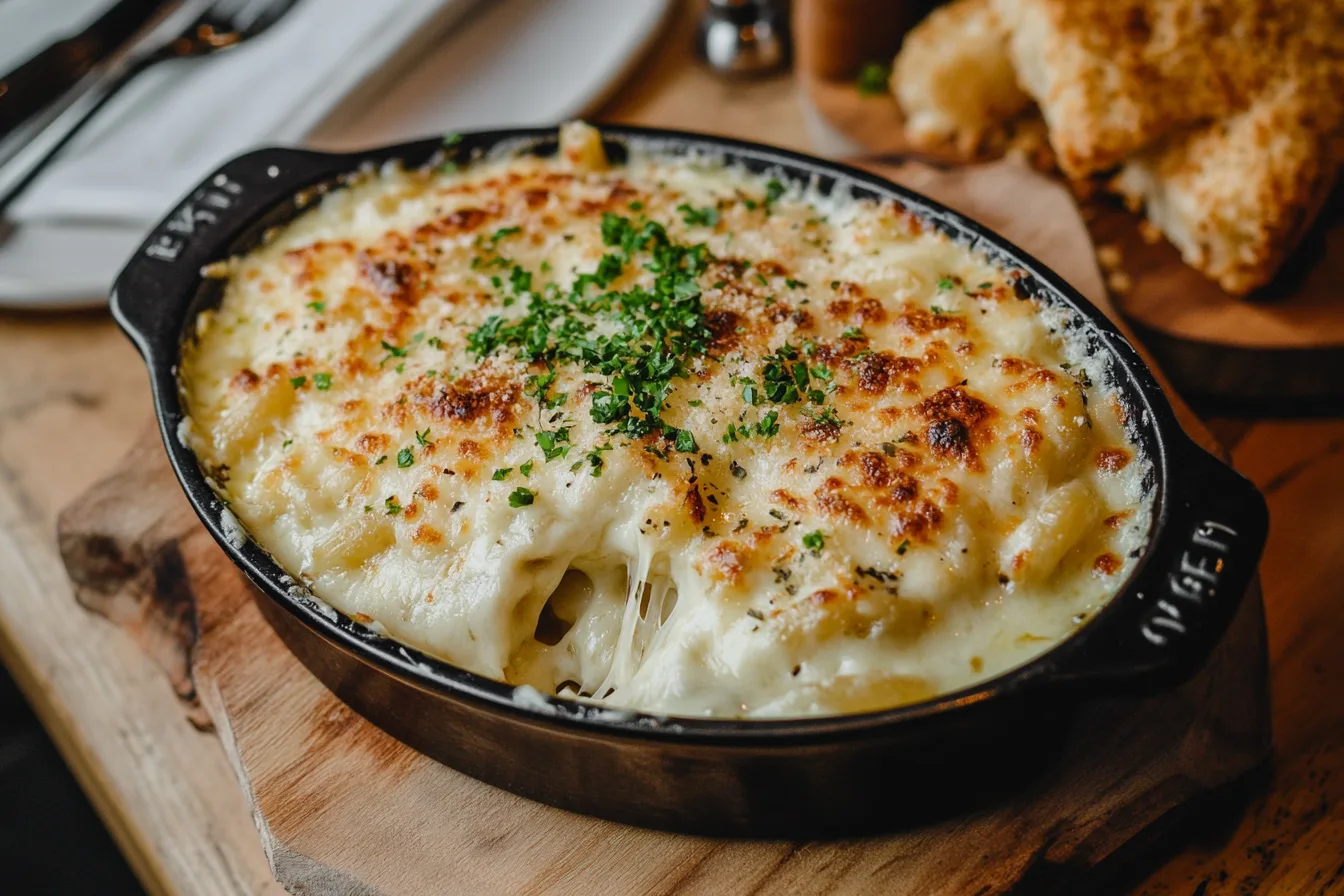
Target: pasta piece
581	147
1034	551
347	546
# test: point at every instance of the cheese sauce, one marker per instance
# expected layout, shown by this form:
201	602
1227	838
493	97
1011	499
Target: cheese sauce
667	435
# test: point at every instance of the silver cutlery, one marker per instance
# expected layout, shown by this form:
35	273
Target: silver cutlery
42	78
189	29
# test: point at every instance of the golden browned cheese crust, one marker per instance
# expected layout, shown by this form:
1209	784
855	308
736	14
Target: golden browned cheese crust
668	435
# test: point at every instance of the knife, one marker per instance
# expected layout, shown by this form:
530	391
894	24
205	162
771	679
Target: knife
44	77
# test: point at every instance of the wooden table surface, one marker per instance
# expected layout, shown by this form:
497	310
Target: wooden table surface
73	397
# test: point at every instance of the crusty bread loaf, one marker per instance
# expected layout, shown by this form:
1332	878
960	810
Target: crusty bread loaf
1236	196
1226	115
1113	76
955	82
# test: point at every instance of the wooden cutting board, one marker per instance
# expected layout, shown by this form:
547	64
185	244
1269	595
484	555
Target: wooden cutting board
1282	348
342	807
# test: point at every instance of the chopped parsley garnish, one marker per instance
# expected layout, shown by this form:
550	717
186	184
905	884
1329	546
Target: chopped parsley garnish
537	386
521	497
773	191
595	462
287	443
814	541
322	381
405	458
794	284
852	333
452	139
685	441
945	284
319	307
647	337
392	506
554	444
698	217
825	416
422	438
767	427
393	351
525	468
903	546
608	407
520	280
503	232
786	378
298	381
501	474
873	79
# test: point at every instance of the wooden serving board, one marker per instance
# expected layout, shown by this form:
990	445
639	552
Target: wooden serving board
343	808
1283	345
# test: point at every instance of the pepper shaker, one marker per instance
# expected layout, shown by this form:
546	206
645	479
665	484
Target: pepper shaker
744	38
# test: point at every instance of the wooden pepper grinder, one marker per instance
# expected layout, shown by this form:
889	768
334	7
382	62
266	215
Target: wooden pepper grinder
834	39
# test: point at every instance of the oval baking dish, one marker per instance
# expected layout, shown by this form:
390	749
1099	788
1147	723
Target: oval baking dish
778	777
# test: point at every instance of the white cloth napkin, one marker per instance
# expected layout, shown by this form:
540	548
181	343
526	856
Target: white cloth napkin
176	122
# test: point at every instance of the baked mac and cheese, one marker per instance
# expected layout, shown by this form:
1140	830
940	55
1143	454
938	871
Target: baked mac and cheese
667	435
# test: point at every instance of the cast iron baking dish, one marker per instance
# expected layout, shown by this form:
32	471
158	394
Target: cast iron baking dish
804	777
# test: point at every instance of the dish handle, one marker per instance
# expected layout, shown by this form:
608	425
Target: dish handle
163	274
1166	623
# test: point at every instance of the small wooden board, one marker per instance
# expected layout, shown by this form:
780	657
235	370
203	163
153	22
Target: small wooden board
1281	348
1284	344
342	807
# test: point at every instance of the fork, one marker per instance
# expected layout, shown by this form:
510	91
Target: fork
190	29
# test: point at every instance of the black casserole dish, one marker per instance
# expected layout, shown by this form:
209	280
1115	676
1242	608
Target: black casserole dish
814	776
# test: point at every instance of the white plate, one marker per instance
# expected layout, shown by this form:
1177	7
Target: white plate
508	63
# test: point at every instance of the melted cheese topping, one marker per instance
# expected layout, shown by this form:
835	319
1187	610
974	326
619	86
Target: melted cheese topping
945	492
